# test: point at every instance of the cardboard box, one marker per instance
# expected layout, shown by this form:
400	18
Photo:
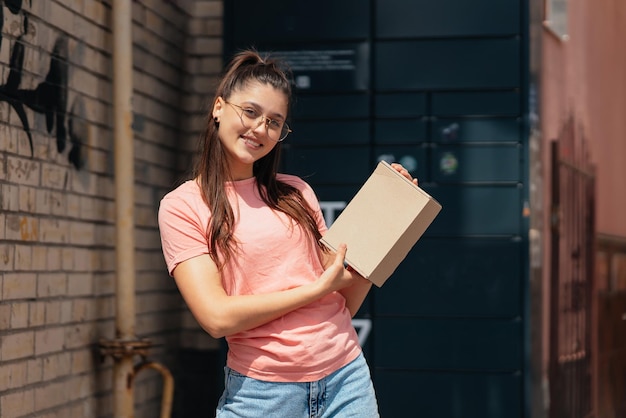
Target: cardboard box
381	224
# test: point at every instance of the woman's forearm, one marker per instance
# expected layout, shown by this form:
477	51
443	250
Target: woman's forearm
356	294
220	314
232	314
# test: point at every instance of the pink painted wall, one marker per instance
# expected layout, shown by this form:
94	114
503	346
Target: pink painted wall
585	76
606	80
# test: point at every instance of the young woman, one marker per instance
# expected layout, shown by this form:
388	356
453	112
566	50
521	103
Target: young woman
242	243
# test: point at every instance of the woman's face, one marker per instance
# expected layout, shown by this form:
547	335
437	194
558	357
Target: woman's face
244	138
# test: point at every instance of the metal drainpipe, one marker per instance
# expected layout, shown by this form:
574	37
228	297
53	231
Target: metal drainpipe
126	345
124	203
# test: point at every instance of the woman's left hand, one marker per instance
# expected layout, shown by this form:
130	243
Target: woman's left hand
400	169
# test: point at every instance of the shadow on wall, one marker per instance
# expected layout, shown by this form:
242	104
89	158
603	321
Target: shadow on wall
49	97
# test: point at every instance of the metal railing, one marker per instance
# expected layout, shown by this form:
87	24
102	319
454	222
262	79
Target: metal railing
572	272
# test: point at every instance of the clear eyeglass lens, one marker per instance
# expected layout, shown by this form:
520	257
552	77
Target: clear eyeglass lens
284	131
252	119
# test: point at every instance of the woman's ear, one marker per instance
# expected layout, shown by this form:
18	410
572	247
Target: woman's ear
218	108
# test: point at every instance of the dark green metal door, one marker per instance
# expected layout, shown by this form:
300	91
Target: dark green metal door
439	86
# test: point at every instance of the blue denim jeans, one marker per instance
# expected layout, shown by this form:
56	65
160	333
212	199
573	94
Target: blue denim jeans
348	392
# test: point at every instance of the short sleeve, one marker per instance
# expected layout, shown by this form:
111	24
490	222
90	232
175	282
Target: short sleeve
183	234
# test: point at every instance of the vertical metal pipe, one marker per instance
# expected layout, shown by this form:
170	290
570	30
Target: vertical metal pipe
124	200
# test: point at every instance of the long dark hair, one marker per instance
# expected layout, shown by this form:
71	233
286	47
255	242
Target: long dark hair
212	165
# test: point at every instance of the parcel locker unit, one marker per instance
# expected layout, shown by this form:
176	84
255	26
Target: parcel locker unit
440	87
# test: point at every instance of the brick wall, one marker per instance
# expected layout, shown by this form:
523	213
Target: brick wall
57	231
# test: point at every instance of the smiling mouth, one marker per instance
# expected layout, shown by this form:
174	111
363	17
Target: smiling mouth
251	142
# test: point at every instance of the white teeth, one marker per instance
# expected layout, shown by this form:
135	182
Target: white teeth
252	143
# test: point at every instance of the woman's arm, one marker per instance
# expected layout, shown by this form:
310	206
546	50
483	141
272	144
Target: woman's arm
355	294
200	284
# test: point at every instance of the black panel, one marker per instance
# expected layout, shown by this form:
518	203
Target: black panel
456	277
396	105
282	21
449	344
413	158
340	67
476	163
403	131
447	64
337	132
428	18
448	395
199	382
331	106
476	130
336	193
476	210
484	103
339	165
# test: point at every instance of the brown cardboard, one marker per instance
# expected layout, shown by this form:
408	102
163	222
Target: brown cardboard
381	224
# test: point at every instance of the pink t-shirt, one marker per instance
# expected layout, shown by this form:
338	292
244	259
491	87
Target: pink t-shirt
306	344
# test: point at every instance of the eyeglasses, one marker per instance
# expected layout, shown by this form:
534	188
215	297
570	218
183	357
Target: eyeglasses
252	119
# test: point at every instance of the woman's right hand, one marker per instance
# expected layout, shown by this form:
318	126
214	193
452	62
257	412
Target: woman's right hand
335	276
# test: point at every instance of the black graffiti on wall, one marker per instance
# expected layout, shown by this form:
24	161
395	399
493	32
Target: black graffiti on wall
49	97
